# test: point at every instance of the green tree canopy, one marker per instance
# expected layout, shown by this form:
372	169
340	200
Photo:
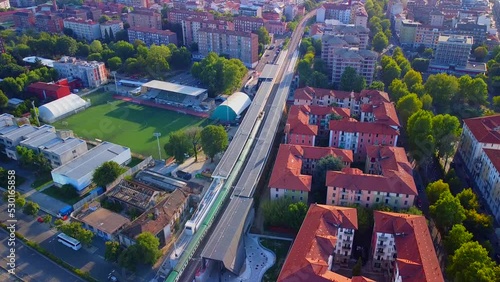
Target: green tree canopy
426	100
379	42
148	245
263	34
107	173
114	63
435	189
446	131
457	237
442	88
412	78
397	90
390	72
472	90
178	145
468	199
480	53
194	136
351	80
377	85
472	263
447	211
75	230
3	100
420	64
96	46
420	135
112	251
407	106
31	208
325	164
214	140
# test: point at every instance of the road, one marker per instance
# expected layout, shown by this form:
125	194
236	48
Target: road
32	266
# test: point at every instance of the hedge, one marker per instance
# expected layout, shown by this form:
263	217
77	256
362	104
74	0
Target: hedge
82	274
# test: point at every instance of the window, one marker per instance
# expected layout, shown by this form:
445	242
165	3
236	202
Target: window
333	202
386	201
377	200
366	205
334	188
333	195
276	195
368	198
407	195
406	203
277	189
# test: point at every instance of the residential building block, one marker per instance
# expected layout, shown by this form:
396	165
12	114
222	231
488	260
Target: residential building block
145	18
453	50
363	61
248	24
87	30
92	74
152	36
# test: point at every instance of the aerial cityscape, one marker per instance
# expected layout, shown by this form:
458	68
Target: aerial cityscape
250	140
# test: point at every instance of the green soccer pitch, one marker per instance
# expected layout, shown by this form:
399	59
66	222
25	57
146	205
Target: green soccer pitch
127	124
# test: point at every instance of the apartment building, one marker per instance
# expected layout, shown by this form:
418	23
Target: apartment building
92	74
192	24
145	18
360	32
177	16
24	19
152	36
324	241
427	36
344	99
479	149
276	27
488	180
250	11
84	29
291	176
112	27
248	24
357	136
453	50
359	16
334	11
408	32
330	43
390	184
136	3
436	18
402	247
49	22
240	45
308	124
363	61
477	31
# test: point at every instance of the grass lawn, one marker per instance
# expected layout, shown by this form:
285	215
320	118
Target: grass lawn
56	192
42	180
280	249
127	124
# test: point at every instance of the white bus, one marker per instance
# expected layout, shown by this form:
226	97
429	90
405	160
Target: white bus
69	242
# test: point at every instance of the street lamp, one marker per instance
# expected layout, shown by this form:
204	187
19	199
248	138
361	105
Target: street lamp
157	135
116	83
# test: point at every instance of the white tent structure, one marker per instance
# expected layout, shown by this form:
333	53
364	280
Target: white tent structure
231	109
62	108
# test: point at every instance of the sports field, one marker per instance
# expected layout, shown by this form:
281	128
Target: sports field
127	124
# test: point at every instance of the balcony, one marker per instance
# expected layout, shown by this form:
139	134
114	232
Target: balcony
383	238
380	251
348	231
346	247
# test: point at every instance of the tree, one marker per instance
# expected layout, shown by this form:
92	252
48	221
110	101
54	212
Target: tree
114	63
446	131
407	106
327	163
435	189
181	58
31	208
96	46
20	201
194	135
284	212
129	258
420	135
123	49
379	42
480	53
147	245
178	146
412	210
66	45
472	263
472	90
47	219
390	72
397	90
263	34
496	103
107	173
457	237
468	199
356	270
426	100
296	214
94	57
420	65
447	211
213	140
26	156
377	85
74	229
112	251
104	19
480	224
442	88
3	100
412	78
351	81
318	79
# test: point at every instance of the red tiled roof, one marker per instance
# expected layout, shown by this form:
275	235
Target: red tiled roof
375	95
316	153
416	256
315	242
45	86
362	127
391	182
386	113
389	158
298	122
286	171
485	129
494	156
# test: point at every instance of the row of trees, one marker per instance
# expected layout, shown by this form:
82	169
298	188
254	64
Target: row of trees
284	213
219	74
380	27
212	139
464	230
311	68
